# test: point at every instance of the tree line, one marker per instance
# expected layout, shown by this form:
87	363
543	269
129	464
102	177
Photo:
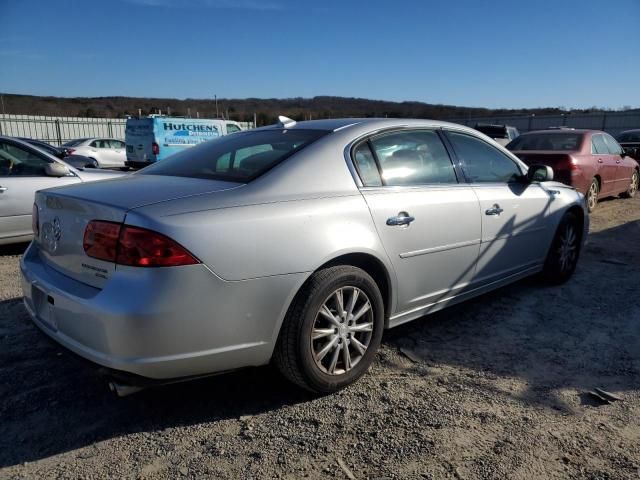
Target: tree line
265	110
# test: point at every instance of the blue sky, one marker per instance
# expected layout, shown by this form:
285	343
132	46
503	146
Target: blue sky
491	53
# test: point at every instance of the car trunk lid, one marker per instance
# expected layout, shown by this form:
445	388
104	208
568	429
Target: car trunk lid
65	212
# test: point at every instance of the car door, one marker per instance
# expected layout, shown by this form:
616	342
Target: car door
118	153
515	214
21	175
624	166
607	165
428	222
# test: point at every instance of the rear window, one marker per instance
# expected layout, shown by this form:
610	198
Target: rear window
236	158
560	142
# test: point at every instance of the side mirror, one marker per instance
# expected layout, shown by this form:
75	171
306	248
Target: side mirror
624	153
540	173
56	169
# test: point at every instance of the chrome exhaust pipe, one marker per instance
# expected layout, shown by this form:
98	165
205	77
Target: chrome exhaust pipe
123	390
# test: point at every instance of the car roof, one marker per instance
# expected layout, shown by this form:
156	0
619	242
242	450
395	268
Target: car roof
340	123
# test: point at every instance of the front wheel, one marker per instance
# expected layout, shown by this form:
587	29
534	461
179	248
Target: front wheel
562	258
332	330
592	195
633	185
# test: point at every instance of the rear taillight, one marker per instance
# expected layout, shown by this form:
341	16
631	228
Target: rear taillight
101	240
573	163
35	220
69	151
134	246
155	148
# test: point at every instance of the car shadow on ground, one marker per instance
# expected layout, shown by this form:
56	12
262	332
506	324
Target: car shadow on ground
13	249
580	335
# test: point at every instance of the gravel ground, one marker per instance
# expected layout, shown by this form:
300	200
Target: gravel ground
494	388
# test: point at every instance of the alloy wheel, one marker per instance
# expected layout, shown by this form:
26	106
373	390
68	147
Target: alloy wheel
342	330
633	187
568	248
592	196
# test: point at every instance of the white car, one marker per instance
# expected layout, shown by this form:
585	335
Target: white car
105	152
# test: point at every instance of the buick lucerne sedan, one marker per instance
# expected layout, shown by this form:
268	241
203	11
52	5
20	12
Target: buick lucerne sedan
296	244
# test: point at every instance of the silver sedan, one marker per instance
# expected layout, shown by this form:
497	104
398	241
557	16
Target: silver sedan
297	243
24	169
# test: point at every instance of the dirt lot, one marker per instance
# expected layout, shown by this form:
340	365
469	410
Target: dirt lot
499	390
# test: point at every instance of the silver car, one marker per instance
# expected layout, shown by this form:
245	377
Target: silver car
297	243
24	169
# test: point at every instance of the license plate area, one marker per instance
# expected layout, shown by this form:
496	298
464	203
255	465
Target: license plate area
44	305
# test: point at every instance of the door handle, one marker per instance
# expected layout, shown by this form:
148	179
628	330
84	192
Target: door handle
495	210
403	218
3	189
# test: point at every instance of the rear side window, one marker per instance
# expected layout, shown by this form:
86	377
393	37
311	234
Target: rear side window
235	158
366	165
482	162
598	146
413	157
233	128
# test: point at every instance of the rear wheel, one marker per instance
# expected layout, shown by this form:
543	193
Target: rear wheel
633	185
94	163
592	195
562	258
332	330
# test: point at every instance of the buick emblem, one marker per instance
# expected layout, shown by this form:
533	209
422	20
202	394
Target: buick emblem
51	233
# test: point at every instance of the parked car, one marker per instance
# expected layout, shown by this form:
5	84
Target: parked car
66	154
297	243
58	152
589	160
502	134
152	139
630	142
23	170
107	152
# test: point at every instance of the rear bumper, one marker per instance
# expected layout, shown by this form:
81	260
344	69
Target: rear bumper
160	323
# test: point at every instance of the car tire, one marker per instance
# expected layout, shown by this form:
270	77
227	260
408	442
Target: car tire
564	252
310	351
592	195
94	163
634	184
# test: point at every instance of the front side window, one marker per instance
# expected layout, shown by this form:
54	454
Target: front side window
413	157
598	146
483	163
233	128
612	145
236	158
18	162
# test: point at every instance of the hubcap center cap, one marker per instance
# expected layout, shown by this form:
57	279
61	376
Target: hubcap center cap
342	330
